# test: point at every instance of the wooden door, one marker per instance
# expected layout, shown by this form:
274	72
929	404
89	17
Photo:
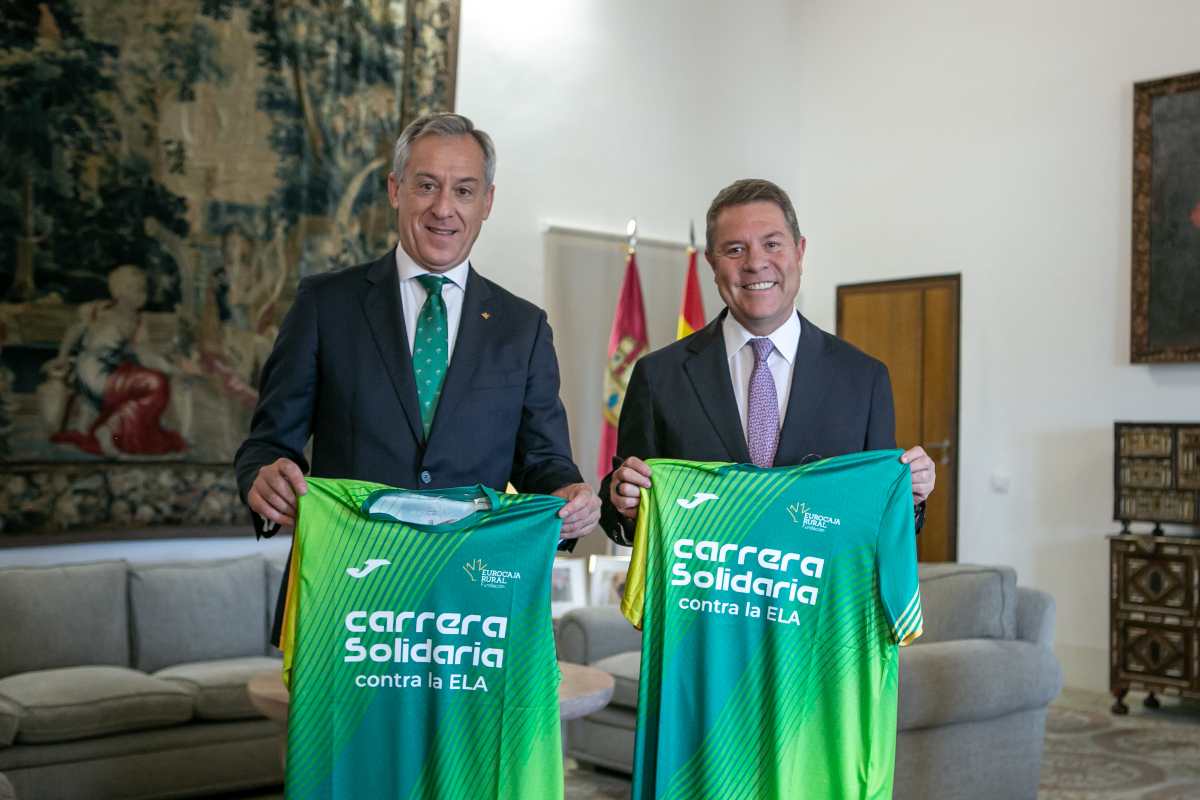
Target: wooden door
912	326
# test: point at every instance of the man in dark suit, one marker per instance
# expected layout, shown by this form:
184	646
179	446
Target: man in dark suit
760	383
415	371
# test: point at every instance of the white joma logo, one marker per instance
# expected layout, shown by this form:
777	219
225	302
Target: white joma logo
697	499
365	570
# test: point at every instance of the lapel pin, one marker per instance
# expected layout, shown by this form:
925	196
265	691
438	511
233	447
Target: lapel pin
486	315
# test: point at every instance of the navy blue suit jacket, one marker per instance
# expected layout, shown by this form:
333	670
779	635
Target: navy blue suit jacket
341	372
680	404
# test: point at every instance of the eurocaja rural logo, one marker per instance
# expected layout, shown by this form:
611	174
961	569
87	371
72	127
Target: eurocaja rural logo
810	520
483	575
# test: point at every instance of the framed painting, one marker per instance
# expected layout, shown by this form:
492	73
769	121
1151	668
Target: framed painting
1165	320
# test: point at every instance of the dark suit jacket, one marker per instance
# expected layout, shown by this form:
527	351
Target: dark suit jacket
341	372
680	404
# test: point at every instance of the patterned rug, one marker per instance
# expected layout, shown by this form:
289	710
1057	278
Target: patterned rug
1090	754
1093	755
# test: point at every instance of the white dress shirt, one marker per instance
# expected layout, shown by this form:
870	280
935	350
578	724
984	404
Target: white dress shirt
413	296
785	338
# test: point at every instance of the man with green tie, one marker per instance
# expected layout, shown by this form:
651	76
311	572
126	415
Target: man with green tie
416	371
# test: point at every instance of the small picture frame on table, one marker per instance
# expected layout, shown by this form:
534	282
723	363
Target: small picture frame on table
568	587
607	575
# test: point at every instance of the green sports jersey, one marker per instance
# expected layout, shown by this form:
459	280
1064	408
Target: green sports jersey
771	602
420	657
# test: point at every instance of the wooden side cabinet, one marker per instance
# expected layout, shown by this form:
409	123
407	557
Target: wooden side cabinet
1154	643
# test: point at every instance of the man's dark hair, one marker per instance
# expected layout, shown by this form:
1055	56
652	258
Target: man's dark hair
749	190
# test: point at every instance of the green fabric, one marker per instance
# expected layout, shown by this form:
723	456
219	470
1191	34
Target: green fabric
772	602
421	658
431	347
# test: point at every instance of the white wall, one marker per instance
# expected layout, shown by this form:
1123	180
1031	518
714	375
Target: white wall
919	138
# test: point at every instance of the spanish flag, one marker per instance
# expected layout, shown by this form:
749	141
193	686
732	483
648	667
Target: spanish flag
626	344
691	310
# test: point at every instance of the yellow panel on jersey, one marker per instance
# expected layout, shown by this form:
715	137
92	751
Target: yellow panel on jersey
772	602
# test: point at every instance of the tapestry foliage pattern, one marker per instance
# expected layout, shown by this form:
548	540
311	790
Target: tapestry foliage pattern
169	170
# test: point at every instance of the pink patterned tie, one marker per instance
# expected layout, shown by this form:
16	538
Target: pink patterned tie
762	416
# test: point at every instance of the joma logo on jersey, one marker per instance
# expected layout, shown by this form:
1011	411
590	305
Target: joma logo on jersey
696	499
810	520
358	573
478	572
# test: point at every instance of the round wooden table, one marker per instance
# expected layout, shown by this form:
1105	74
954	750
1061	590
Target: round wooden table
582	691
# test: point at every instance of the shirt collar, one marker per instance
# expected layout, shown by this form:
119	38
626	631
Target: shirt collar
785	338
410	270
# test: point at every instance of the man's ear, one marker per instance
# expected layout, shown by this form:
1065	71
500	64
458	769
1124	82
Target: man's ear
393	190
487	201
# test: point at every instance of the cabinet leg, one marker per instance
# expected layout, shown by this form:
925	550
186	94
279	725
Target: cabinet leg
1118	706
1151	701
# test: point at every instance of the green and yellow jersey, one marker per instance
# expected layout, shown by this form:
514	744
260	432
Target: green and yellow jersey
772	602
420	657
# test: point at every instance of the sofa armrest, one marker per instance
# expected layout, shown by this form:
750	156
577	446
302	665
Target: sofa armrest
1035	617
586	635
973	680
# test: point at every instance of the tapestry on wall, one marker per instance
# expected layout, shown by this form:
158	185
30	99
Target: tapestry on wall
169	170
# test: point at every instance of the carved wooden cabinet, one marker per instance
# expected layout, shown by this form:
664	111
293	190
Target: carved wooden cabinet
1154	643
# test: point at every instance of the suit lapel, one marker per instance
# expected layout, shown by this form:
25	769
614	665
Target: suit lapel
810	382
472	339
708	370
381	304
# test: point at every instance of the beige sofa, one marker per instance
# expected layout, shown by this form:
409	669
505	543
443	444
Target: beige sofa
126	680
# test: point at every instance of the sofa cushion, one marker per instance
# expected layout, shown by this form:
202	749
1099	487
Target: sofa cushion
9	713
197	611
219	687
960	601
974	680
63	617
58	705
625	668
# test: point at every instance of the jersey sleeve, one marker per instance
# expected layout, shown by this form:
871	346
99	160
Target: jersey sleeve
291	609
896	560
634	600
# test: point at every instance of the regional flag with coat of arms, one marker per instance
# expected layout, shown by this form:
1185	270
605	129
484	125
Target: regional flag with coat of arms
691	310
626	344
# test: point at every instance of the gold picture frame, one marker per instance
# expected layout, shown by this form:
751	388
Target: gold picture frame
1164	325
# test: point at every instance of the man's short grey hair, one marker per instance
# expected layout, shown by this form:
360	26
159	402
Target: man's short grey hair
443	124
749	190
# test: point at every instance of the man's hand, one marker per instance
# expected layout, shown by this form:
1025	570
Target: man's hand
274	491
625	488
582	511
923	473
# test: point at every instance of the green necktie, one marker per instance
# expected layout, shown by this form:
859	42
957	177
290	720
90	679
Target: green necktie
430	348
